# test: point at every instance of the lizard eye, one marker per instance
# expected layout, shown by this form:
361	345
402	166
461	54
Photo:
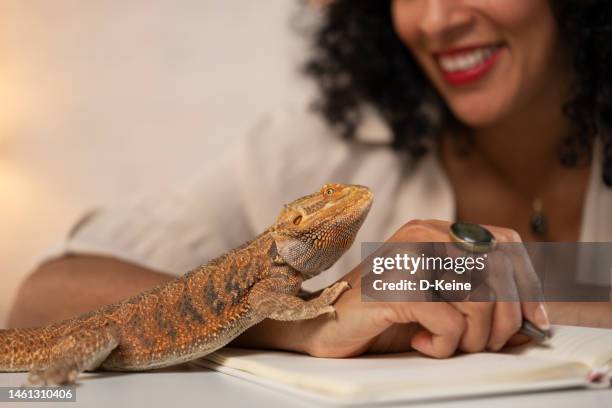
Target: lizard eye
297	220
329	192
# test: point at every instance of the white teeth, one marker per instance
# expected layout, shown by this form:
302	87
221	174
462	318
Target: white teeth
467	60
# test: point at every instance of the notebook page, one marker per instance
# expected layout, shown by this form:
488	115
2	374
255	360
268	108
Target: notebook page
403	394
384	377
590	346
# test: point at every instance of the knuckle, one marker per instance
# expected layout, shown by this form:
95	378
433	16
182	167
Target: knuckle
448	349
507	327
415	229
387	315
479	307
473	346
510	235
457	325
494	345
416	223
433	221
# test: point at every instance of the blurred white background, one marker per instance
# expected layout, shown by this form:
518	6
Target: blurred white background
99	98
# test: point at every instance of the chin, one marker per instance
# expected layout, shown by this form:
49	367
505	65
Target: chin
479	112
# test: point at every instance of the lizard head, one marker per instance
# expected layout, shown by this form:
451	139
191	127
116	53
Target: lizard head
313	232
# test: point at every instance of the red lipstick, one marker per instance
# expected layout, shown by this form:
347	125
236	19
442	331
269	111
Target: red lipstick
466	65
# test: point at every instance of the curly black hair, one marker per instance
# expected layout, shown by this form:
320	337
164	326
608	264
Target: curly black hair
359	60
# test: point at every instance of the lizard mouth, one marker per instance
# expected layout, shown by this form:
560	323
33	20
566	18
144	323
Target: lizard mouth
363	198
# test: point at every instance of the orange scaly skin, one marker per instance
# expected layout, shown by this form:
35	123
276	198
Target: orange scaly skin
209	306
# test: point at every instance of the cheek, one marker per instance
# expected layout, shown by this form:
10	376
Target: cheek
529	25
532	35
405	15
512	13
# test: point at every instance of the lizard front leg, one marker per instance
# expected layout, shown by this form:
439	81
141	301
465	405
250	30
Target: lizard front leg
293	308
280	305
84	349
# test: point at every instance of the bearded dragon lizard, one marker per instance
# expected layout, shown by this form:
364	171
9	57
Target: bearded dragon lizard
207	307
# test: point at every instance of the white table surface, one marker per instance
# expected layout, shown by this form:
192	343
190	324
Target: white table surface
190	386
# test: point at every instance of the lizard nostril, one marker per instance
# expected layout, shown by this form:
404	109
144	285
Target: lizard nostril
297	220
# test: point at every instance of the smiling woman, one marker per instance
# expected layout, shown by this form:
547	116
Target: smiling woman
474	64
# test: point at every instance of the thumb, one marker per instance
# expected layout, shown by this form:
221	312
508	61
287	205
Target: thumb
443	326
536	313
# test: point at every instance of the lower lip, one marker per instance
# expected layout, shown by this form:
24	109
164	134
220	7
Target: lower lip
469	76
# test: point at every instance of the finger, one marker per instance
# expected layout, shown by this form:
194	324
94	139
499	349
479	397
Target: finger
507	320
504	234
466	270
421	231
499	277
508	316
528	286
478	317
518	339
393	339
444	326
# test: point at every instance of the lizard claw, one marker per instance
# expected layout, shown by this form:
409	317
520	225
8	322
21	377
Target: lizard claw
343	285
61	375
331	312
35	377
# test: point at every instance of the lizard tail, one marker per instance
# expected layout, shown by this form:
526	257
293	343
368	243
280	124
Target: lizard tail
24	349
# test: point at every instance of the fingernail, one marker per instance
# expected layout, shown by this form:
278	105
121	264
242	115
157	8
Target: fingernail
541	318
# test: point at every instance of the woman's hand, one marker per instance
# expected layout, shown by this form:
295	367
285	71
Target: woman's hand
436	329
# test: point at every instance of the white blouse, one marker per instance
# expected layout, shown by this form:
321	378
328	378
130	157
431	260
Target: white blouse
287	155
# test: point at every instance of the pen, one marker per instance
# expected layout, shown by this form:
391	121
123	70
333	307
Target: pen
531	330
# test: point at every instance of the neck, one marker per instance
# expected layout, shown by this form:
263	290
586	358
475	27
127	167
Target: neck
523	149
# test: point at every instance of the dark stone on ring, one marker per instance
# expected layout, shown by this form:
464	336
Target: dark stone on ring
472	237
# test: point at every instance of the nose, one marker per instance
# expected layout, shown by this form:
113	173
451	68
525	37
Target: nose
364	193
443	18
363	190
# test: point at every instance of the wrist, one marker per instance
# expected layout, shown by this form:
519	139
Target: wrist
274	335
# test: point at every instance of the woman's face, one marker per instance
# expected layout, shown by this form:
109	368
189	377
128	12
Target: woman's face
489	59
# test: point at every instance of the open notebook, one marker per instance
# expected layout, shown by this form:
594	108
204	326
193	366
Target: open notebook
574	357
